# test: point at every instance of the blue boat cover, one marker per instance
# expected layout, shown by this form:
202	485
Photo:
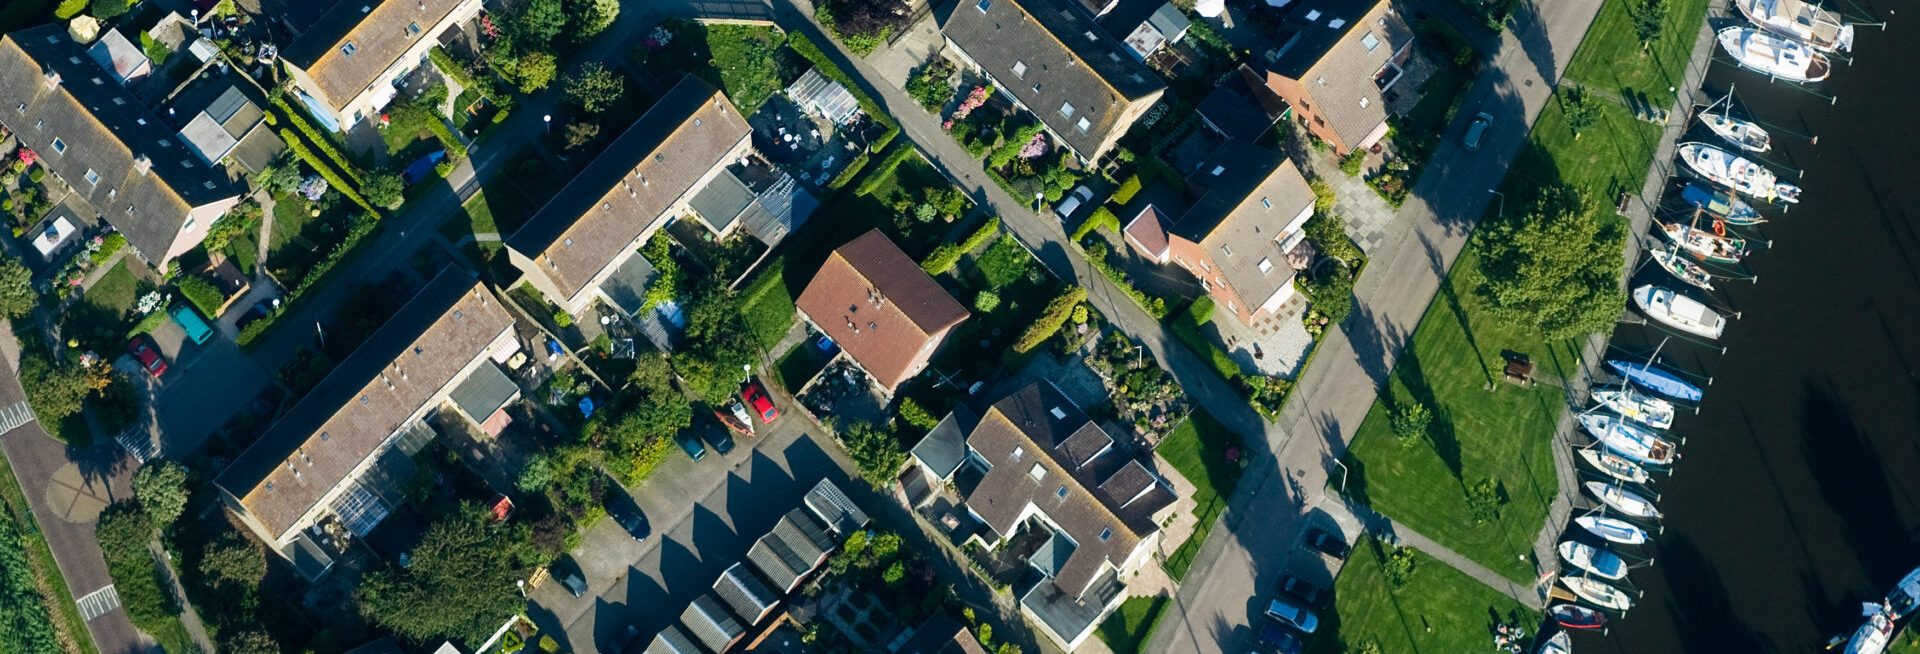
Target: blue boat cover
1657	379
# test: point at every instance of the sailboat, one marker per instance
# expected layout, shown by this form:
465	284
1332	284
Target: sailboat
1644	409
1679	311
1632	442
1723	205
1705	245
1744	134
1560	643
1592	559
1678	265
1598	594
1737	172
1614	530
1905	596
1774	55
1872	637
1574	616
1615	466
1623	500
1657	379
1821	29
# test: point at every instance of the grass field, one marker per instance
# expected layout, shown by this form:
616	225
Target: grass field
113	292
1438	611
1612	60
1198	449
290	215
1609	157
1129	628
767	305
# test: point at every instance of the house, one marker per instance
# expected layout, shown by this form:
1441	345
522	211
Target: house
98	139
744	592
1243	237
941	634
586	233
330	468
711	625
1242	107
1336	62
1046	472
1050	57
886	314
349	62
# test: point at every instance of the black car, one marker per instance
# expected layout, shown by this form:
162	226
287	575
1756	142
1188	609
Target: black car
627	514
254	313
568	574
1328	543
1279	640
1306	591
718	437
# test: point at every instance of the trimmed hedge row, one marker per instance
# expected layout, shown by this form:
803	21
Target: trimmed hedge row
465	79
947	255
318	140
1101	216
202	295
455	148
363	225
299	149
897	154
1127	190
1097	257
1050	321
809	50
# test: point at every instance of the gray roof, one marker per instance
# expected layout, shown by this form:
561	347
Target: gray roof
1329	55
104	129
1064	60
708	621
777	562
743	591
1233	212
485	391
805	534
673	640
834	508
1068	614
1052	556
823	96
1170	21
377	32
944	448
120	57
779	210
1242	107
721	201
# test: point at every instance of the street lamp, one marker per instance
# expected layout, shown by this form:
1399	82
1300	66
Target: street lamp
547	119
1503	202
1037	198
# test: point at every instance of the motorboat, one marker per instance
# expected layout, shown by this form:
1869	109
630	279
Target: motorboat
1704	245
1872	637
1724	206
1744	134
1644	409
1625	501
1657	379
1774	55
1734	171
1575	616
1905	596
1679	311
1559	643
1811	24
1592	559
1597	593
1634	443
1678	265
735	417
1615	530
1615	466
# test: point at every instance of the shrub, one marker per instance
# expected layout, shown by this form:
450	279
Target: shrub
1097	257
946	255
1398	566
386	190
846	175
562	319
202	294
1004	263
931	84
1127	190
595	88
1483	501
69	8
317	140
1051	319
1410	422
1011	147
986	301
1102	217
37	174
109	9
912	412
1353	162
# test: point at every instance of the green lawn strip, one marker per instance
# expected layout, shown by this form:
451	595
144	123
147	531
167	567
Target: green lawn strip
475	217
290	215
1504	434
799	365
137	579
1438	610
1907	643
65	614
113	292
744	57
1198	450
1611	156
1612	60
1129	628
767	305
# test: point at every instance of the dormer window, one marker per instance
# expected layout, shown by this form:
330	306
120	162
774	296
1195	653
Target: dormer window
348	49
1019	69
1226	249
1370	41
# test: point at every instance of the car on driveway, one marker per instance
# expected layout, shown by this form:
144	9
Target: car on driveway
1328	543
1476	131
144	351
567	572
758	400
1289	612
1306	591
628	515
690	443
1072	202
718	437
1279	640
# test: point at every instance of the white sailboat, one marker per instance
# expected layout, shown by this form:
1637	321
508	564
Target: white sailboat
1808	22
1559	643
1615	466
1614	530
1737	172
1623	500
1775	55
1679	311
1597	593
1592	559
1669	259
1634	443
1743	134
1704	245
1644	409
1872	637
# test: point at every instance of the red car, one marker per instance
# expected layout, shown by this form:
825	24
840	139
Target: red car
144	351
757	399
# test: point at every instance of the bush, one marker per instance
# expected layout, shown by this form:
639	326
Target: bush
932	84
69	8
386	189
986	301
913	414
109	9
1398	566
1097	257
1410	422
595	88
1004	263
943	258
161	488
202	294
1102	217
1051	319
37	174
1127	190
1483	501
897	154
123	533
1353	162
362	225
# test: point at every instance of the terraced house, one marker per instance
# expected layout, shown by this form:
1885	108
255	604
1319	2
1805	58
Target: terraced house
348	62
1337	61
1051	58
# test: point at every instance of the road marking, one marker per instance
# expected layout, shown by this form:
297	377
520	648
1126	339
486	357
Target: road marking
98	603
139	442
14	416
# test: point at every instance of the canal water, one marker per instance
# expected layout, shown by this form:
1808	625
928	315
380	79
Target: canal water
1798	493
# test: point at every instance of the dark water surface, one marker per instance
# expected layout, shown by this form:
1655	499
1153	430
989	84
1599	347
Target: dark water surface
1798	495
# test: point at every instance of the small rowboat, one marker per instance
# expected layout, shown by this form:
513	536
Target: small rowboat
1644	409
735	417
1574	616
1615	466
1598	594
1623	500
1678	265
1704	245
1592	559
1614	530
1560	643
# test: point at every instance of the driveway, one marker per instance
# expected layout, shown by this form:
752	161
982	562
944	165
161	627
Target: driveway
205	384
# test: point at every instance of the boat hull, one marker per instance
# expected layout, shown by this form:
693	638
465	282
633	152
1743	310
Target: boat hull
1628	441
1625	501
1774	55
1614	530
1705	246
1723	205
1601	563
1598	594
1670	309
1615	466
1742	134
1570	616
1816	27
1657	379
1650	411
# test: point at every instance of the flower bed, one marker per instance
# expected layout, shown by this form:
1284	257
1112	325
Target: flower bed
1143	394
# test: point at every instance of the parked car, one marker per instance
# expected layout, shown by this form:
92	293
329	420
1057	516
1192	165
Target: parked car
1279	640
1328	543
1072	202
758	400
144	351
626	513
191	322
254	314
1306	591
1290	613
690	443
568	574
718	437
1476	131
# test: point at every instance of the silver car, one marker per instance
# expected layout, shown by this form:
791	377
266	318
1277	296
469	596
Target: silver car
1072	202
1287	612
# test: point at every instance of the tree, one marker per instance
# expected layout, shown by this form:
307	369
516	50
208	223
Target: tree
1649	20
1582	111
1410	422
242	219
874	451
161	488
579	134
529	71
591	17
108	9
385	190
536	22
595	87
461	580
871	18
1555	268
1483	501
720	349
280	178
17	297
231	562
252	640
55	390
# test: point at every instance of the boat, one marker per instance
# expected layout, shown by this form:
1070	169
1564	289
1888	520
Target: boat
1614	530
1724	206
1657	379
1626	440
1704	245
1743	134
1905	596
1575	616
735	417
1737	172
1592	559
1598	594
1872	637
1774	55
1678	265
1560	643
1615	466
1623	500
1644	409
1679	311
1820	29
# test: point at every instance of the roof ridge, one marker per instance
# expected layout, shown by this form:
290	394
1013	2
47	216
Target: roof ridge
1055	463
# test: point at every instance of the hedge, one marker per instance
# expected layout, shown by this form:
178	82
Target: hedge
846	175
1127	190
1101	216
1050	321
363	225
1097	257
947	255
465	79
896	155
123	533
69	8
202	295
806	48
29	627
319	140
300	151
455	148
1186	329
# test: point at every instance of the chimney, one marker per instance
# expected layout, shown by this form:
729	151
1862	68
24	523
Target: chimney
53	79
142	164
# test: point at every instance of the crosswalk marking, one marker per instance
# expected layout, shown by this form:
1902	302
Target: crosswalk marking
14	416
98	603
139	442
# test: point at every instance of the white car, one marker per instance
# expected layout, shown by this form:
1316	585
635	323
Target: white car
1072	202
1476	131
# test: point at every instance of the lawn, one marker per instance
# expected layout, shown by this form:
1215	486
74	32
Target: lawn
767	305
1611	156
1439	611
114	292
1198	450
799	365
290	215
475	217
1612	60
1129	628
743	60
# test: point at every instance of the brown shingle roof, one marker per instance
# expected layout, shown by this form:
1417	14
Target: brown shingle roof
1335	64
630	185
1149	231
353	412
1244	208
379	33
879	306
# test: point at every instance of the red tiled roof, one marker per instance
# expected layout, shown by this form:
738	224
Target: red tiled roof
879	306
